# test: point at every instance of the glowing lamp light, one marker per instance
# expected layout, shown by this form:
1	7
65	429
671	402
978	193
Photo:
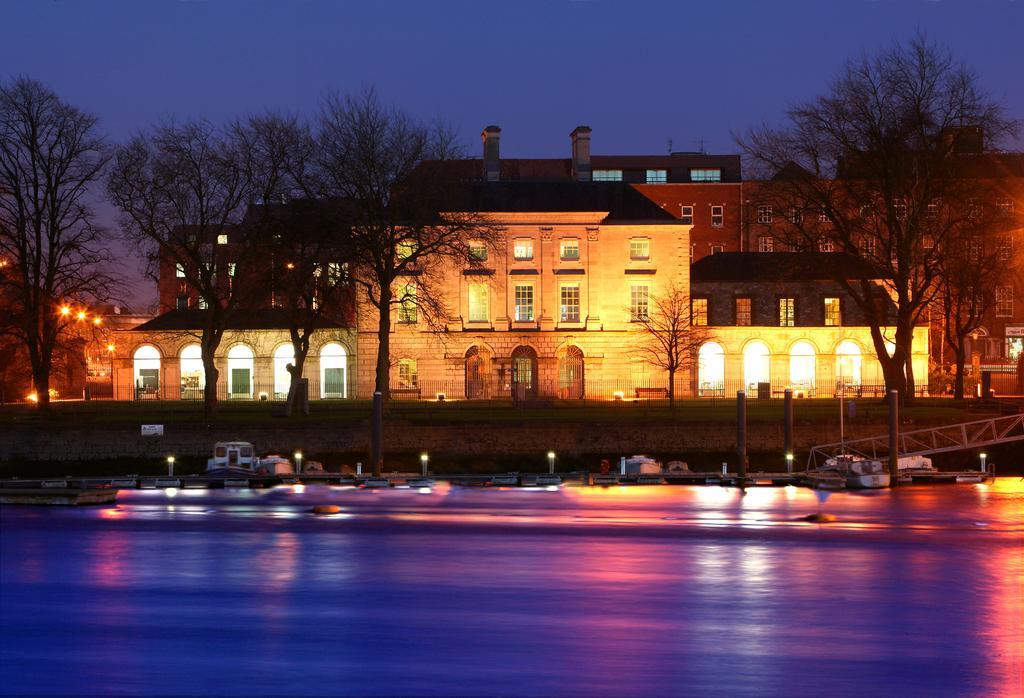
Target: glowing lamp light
290	265
551	462
32	397
81	315
65	311
298	461
110	347
424	458
97	321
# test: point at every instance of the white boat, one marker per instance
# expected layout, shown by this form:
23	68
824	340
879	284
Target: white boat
858	472
915	464
239	458
642	465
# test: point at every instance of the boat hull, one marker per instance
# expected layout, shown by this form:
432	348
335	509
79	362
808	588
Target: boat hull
867	482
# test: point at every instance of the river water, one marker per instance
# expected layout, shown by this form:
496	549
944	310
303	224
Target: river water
639	591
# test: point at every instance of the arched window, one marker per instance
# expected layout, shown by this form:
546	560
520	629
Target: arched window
240	372
407	373
476	374
146	370
756	366
283	356
801	366
333	371
710	370
524	373
570	374
193	375
848	361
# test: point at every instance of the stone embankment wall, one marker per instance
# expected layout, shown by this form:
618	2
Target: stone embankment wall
56	442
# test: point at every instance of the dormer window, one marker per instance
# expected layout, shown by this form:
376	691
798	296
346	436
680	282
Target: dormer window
657	176
607	175
706	175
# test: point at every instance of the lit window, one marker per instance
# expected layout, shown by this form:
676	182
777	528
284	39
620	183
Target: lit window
832	317
657	176
639	302
743	316
407	308
478	305
686	215
640	248
407	373
787	312
825	244
699	312
706	175
405	249
1004	301
222	239
796	216
524	304
570	303
717	216
336	272
899	208
764	214
569	249
477	251
607	175
231	268
181	302
201	303
765	243
823	217
869	247
179	271
522	249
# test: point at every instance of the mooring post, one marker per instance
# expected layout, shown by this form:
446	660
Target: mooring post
741	434
376	432
894	435
787	428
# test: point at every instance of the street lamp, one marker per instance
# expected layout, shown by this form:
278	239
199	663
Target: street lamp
983	456
298	462
423	463
551	462
170	466
789	462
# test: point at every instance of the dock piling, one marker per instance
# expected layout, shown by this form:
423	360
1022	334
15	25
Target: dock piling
894	430
787	425
741	433
376	432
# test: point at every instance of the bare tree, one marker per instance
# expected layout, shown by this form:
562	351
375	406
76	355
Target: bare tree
52	252
405	226
183	192
867	164
669	339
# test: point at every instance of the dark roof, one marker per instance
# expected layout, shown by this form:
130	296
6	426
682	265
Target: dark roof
779	266
622	201
242	319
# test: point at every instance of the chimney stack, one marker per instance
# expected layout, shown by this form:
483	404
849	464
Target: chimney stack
581	153
492	162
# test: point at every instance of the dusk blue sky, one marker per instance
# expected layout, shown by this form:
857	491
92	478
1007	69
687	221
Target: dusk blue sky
638	72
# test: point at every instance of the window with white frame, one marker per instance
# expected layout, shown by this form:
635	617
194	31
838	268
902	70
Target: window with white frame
869	247
743	311
764	214
899	208
407	308
796	216
699	312
405	249
717	216
570	302
823	217
640	248
832	315
179	271
1006	208
706	174
222	239
607	175
1004	301
524	303
1005	247
715	249
478	303
477	251
686	215
787	312
657	176
932	210
825	244
639	302
408	375
765	243
569	249
522	249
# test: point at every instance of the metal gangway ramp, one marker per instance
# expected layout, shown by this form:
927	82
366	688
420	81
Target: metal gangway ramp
923	442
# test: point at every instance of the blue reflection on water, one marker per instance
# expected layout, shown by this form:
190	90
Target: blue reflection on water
621	591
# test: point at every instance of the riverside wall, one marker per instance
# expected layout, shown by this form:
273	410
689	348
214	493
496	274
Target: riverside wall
57	442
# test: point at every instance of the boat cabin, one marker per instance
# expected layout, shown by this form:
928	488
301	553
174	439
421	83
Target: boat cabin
232	454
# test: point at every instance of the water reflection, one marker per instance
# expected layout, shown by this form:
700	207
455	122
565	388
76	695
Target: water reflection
579	591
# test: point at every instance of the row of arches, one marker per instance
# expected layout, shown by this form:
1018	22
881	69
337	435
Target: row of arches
241	380
520	378
757	365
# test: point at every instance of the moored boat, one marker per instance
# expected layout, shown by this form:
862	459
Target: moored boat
857	472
